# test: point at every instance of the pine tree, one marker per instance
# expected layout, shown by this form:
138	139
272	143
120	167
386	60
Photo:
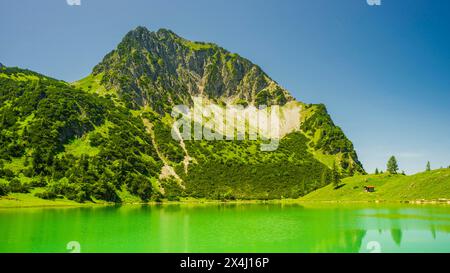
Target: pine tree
428	166
335	177
376	171
392	166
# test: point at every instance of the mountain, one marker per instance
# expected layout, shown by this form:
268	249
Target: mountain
160	68
108	136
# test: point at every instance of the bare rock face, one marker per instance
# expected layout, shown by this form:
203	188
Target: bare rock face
153	67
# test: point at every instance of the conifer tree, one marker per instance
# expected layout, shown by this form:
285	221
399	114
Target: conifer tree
392	165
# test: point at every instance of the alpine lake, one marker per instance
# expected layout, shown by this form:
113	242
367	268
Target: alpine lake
217	227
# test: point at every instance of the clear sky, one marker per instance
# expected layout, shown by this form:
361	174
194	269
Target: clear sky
383	71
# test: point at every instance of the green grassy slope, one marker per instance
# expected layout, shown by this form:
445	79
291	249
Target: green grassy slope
25	200
433	185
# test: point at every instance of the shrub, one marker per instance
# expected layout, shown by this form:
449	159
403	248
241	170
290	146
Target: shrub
96	139
28	172
141	186
16	186
7	173
40	182
106	191
46	195
4	189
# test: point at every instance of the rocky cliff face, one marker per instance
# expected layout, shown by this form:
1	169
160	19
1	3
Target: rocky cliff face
155	68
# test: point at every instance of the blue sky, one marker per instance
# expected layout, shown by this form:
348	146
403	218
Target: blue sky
383	71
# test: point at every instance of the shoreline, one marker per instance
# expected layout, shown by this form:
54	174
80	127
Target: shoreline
8	202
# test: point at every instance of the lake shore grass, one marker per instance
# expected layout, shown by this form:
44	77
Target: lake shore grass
21	200
28	200
431	187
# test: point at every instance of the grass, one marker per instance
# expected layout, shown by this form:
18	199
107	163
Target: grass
81	146
16	164
426	186
92	84
197	45
20	77
26	200
328	160
25	123
127	197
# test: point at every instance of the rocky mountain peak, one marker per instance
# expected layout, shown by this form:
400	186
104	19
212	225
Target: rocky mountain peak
154	68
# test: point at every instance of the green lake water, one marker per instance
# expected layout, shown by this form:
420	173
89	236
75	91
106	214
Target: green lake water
228	228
